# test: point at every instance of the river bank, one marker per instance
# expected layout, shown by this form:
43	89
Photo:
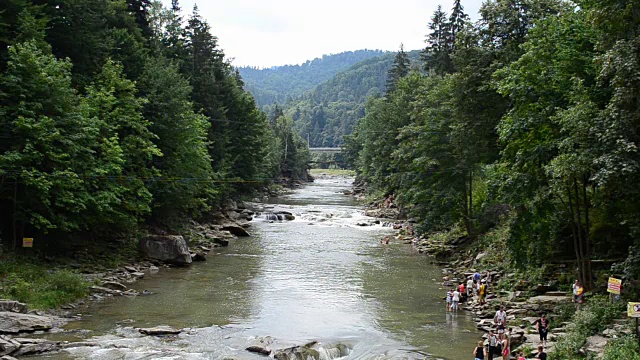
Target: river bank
319	284
525	298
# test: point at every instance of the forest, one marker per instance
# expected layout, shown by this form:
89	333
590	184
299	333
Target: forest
282	84
522	126
122	114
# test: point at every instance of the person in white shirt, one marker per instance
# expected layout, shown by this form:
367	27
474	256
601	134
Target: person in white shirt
469	288
500	319
456	300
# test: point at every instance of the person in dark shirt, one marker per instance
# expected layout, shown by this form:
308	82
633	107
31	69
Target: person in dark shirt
542	325
541	354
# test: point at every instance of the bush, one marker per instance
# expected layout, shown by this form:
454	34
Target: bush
37	286
626	348
592	320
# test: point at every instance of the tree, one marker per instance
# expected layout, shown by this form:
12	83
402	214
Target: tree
437	53
457	21
399	70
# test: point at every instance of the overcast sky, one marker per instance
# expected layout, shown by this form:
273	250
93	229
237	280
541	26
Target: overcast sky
267	33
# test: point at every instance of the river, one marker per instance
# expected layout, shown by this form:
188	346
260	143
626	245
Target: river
319	278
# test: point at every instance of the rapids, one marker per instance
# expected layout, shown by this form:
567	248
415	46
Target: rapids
322	277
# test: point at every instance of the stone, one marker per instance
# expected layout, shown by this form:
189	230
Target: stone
259	350
13	306
596	344
7	357
138	275
236	230
13	323
8	345
36	348
167	248
130	269
221	242
104	290
199	256
114	286
159	330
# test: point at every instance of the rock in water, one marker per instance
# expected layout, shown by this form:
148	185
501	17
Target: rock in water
236	230
259	350
13	323
168	248
160	330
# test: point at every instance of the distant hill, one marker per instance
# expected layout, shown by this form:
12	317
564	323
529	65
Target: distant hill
282	83
331	110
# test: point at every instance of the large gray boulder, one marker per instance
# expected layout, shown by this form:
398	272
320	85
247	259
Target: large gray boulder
168	248
13	323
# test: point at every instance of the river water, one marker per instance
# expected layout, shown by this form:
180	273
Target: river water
318	278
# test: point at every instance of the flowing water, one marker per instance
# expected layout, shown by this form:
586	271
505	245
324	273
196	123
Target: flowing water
320	277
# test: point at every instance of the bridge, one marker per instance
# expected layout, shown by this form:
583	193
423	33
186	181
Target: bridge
326	150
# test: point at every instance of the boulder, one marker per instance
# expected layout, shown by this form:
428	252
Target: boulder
7	357
259	350
168	248
113	285
221	242
13	306
199	256
8	345
35	346
13	323
160	330
236	230
595	344
104	290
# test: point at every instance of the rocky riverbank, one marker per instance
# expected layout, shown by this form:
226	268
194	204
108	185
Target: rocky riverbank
158	250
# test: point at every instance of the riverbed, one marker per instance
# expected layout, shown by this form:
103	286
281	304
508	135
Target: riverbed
321	277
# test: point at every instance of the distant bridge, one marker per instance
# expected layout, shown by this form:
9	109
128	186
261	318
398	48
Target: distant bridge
326	150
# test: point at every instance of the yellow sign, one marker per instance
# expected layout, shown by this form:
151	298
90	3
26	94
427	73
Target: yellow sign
633	310
27	242
614	286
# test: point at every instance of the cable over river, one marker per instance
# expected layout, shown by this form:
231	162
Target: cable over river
319	278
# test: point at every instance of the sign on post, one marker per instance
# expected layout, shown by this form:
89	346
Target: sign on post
633	310
614	286
27	242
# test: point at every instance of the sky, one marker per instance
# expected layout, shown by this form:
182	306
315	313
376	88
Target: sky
267	33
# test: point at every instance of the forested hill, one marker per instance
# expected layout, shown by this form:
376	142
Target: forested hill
116	114
331	110
281	83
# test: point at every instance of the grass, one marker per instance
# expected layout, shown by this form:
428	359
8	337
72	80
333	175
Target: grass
36	284
332	172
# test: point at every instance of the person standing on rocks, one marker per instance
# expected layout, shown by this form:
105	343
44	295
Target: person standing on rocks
505	347
482	293
493	342
500	319
478	352
470	288
449	299
542	325
579	296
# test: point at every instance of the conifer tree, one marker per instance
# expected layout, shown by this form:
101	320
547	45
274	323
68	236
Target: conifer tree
457	21
437	53
399	70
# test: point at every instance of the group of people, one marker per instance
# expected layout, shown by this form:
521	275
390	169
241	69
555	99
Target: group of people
499	341
476	286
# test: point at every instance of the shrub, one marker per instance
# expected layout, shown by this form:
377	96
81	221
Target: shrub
626	348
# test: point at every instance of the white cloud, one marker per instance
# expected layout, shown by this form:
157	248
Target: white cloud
278	32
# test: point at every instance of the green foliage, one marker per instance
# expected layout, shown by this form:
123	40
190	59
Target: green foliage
277	84
594	318
37	286
626	348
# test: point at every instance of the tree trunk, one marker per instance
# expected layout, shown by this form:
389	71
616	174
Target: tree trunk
587	231
574	232
471	203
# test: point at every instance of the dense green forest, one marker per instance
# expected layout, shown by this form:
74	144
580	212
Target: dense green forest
117	113
330	111
525	121
281	84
